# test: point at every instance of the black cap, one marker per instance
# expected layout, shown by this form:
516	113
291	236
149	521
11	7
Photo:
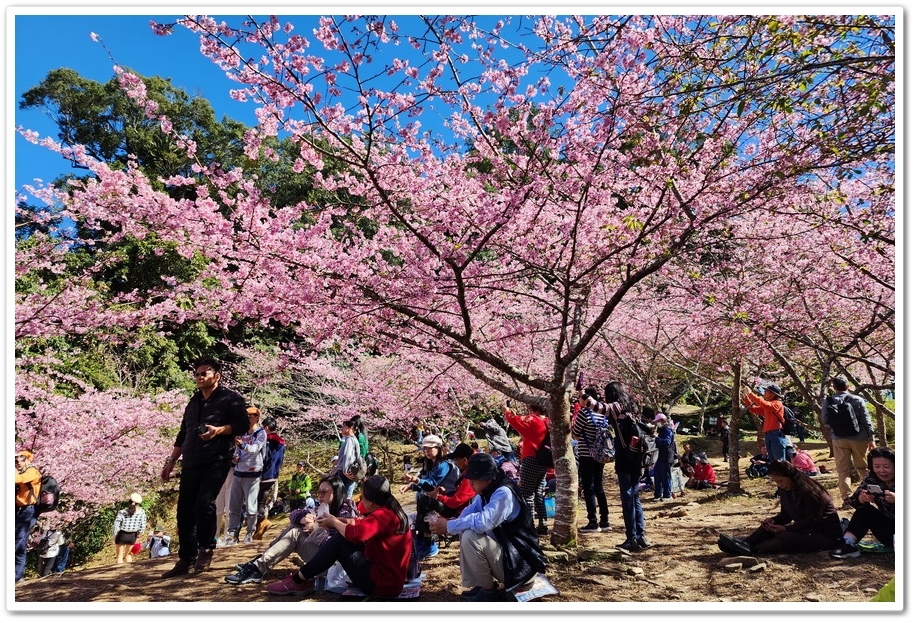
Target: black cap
775	389
481	466
461	451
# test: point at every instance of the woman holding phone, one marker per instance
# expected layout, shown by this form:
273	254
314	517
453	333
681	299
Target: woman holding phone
875	502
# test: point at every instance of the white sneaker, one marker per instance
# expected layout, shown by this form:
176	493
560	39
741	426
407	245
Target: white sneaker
229	541
248	538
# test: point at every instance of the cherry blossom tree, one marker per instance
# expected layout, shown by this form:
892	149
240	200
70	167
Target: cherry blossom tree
574	162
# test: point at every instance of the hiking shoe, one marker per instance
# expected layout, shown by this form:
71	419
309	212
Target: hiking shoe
604	526
288	586
262	528
248	538
656	499
845	550
543	530
734	545
230	540
629	545
426	548
590	527
181	568
642	543
668	499
248	574
204	558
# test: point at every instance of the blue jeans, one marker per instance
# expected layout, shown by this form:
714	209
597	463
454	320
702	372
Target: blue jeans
633	520
25	520
776	445
661	473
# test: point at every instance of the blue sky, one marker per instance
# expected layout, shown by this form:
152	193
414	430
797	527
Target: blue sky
131	43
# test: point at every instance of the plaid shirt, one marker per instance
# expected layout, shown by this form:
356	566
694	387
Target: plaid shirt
130	523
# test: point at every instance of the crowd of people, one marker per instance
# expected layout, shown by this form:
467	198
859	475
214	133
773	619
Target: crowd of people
491	501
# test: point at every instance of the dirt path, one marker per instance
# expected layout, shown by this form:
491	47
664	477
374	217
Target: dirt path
682	566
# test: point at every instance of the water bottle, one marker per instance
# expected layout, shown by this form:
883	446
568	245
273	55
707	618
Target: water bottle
322	511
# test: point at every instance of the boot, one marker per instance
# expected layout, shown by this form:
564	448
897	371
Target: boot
204	557
181	568
262	528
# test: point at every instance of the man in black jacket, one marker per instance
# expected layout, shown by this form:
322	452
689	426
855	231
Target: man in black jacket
498	539
205	442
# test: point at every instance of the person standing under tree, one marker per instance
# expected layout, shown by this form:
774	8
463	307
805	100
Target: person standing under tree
250	449
850	452
269	487
591	472
205	442
769	408
532	428
28	484
129	523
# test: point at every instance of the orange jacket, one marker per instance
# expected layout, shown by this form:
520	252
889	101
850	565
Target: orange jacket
28	484
770	410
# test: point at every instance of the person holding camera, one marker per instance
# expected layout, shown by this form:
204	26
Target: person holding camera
875	502
214	417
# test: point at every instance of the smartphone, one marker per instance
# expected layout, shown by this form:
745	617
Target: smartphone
875	489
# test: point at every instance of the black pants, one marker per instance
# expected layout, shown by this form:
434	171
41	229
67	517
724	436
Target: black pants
870	518
351	558
197	491
763	541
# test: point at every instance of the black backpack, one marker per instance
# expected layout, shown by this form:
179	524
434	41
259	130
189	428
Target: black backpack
841	418
48	495
789	421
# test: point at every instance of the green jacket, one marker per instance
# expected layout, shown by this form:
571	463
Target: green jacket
301	481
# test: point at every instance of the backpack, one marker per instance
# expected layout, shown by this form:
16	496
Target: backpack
841	418
48	495
544	454
602	450
789	421
358	469
638	444
44	544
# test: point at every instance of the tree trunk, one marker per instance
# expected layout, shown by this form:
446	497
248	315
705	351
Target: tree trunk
734	474
566	517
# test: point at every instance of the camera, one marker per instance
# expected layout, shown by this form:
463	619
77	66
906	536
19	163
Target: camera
875	490
203	429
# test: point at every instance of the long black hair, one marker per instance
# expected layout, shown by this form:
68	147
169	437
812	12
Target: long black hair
803	483
338	491
377	490
615	391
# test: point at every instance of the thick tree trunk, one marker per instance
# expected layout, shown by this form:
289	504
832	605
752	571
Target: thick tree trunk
566	518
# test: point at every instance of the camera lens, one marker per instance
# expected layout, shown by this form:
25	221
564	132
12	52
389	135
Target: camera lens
203	429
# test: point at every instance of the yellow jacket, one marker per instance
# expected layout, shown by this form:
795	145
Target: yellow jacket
28	484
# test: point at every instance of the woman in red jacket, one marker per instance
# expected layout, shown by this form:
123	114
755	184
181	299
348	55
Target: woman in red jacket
704	476
532	428
374	550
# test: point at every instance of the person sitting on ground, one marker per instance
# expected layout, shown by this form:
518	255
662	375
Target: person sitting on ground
158	543
439	500
497	437
509	468
807	520
300	484
875	502
759	465
498	539
436	472
302	535
805	464
687	461
374	550
704	476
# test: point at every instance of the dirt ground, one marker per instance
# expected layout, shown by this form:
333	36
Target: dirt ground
684	564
